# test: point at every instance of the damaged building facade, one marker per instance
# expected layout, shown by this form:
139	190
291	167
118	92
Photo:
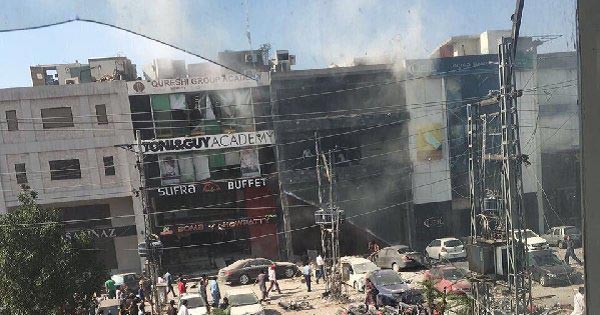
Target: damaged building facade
358	116
209	162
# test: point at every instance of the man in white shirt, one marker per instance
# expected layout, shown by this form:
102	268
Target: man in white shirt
320	268
579	302
273	279
183	310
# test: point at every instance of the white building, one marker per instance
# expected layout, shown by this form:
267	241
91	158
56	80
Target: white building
60	141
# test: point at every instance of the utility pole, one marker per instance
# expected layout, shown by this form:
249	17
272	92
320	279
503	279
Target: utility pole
151	258
320	196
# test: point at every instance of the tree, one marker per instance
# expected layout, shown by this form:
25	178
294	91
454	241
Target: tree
40	269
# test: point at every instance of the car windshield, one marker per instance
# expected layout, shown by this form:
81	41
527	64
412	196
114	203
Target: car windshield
547	260
242	299
386	278
453	274
195	302
572	230
404	250
525	234
453	243
365	267
118	279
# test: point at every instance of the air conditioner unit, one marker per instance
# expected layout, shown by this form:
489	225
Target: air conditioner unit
251	58
72	81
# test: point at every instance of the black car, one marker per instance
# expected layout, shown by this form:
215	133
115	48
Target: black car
548	269
393	289
246	270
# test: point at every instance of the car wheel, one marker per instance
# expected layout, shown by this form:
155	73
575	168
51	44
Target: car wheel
244	279
544	281
395	267
289	272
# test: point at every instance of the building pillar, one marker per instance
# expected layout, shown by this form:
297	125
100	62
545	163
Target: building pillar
589	92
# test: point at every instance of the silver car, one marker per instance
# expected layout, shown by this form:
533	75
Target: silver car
397	257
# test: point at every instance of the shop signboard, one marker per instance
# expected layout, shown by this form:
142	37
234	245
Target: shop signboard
217	225
208	142
111	232
218	81
210	186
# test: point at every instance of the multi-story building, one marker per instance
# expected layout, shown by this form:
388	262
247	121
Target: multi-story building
60	140
209	162
358	114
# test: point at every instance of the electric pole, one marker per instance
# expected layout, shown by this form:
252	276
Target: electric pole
151	258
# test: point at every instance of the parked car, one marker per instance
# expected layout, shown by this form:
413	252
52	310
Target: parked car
449	278
354	270
132	280
556	236
397	257
109	306
446	248
246	270
534	241
547	269
244	302
195	303
393	289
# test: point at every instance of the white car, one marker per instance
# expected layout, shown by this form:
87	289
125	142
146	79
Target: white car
446	248
534	241
244	302
195	303
354	270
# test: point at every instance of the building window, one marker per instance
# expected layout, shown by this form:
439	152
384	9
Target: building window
11	120
109	166
21	173
57	117
101	114
65	169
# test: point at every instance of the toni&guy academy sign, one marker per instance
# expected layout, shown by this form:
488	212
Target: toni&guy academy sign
208	142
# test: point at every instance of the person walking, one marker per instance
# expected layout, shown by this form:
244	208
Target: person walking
215	292
183	310
579	302
111	289
320	273
169	280
171	310
307	272
273	279
262	284
570	253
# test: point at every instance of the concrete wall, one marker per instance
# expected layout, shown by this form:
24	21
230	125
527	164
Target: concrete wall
431	178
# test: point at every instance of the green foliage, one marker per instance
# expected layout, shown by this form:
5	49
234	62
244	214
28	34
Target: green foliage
40	269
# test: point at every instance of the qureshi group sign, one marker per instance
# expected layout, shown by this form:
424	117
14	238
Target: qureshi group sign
208	142
226	80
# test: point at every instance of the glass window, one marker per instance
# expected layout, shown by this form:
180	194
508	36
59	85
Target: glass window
21	173
65	169
11	120
57	117
109	166
452	243
101	114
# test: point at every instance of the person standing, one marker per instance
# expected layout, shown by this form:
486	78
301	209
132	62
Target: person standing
202	285
370	293
320	268
111	289
171	310
262	284
183	310
579	302
307	272
215	292
169	280
570	253
273	279
181	285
